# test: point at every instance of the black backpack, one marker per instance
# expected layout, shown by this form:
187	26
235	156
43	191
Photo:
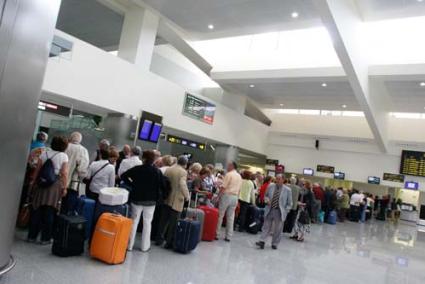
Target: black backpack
47	176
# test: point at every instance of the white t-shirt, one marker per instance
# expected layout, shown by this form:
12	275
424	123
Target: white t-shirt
356	199
59	158
129	163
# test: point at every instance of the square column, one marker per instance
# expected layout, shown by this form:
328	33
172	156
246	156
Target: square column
138	37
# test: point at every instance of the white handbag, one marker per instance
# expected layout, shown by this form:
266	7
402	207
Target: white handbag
113	196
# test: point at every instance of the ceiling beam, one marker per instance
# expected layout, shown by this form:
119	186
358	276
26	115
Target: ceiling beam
281	75
342	19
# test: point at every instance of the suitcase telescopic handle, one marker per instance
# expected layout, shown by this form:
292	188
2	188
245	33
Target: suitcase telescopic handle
188	204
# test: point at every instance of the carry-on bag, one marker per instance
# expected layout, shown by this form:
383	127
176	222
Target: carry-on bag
85	208
113	196
187	234
332	218
253	221
210	223
354	213
110	238
118	209
69	236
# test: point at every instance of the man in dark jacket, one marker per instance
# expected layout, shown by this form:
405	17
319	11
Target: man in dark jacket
146	182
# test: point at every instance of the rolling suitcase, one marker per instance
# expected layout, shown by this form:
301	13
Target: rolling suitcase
110	238
253	223
188	233
85	208
117	209
69	236
332	218
210	223
354	213
198	215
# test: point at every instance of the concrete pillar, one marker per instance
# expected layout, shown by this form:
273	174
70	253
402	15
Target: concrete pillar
26	33
138	37
225	154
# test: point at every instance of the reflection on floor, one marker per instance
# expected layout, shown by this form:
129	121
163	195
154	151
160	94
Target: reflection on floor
346	253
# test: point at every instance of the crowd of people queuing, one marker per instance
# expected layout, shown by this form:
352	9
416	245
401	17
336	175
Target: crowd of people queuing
166	184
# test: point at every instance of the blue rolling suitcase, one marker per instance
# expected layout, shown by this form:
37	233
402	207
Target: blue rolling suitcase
85	208
187	235
332	218
188	230
117	209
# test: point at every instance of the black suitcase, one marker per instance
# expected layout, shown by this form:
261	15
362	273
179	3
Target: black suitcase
254	220
69	235
354	213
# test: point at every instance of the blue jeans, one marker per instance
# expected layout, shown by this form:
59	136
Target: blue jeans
42	219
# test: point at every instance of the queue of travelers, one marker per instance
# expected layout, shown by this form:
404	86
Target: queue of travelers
166	185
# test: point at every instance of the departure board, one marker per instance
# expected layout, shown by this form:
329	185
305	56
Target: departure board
325	169
199	109
412	163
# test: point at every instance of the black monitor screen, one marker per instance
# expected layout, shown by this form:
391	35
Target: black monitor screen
156	132
339	175
373	180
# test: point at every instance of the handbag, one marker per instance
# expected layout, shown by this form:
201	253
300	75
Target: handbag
304	218
24	216
88	181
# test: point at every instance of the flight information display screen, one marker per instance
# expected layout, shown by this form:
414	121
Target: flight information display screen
199	109
412	163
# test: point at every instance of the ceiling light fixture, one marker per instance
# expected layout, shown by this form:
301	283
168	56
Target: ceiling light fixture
295	15
422	84
281	105
211	27
344	106
324	85
420	0
252	86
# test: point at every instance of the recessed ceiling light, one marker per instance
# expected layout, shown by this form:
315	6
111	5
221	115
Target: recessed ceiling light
344	106
211	27
281	105
295	15
420	0
324	85
252	86
422	84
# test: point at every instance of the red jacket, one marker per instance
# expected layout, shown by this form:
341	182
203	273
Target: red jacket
263	190
319	193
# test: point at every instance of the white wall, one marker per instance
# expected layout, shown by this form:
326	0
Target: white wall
400	129
357	161
100	78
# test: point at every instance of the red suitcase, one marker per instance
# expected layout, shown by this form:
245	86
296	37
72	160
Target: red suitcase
210	223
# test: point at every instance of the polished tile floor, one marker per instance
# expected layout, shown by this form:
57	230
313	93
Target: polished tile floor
346	253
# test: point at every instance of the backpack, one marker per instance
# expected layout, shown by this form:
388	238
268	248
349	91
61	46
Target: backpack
47	176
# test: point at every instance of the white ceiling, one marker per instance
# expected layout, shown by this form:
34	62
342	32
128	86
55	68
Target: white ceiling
388	9
299	95
236	17
407	96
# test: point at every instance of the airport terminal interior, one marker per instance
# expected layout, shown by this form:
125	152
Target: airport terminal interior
212	141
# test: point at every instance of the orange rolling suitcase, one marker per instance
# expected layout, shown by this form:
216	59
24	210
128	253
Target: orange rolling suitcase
110	239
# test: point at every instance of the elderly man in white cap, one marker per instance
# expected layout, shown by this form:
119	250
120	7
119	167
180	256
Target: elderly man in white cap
78	166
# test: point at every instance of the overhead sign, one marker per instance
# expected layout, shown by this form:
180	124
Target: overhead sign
272	162
325	169
339	175
373	180
411	185
178	140
199	109
54	108
412	163
394	177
